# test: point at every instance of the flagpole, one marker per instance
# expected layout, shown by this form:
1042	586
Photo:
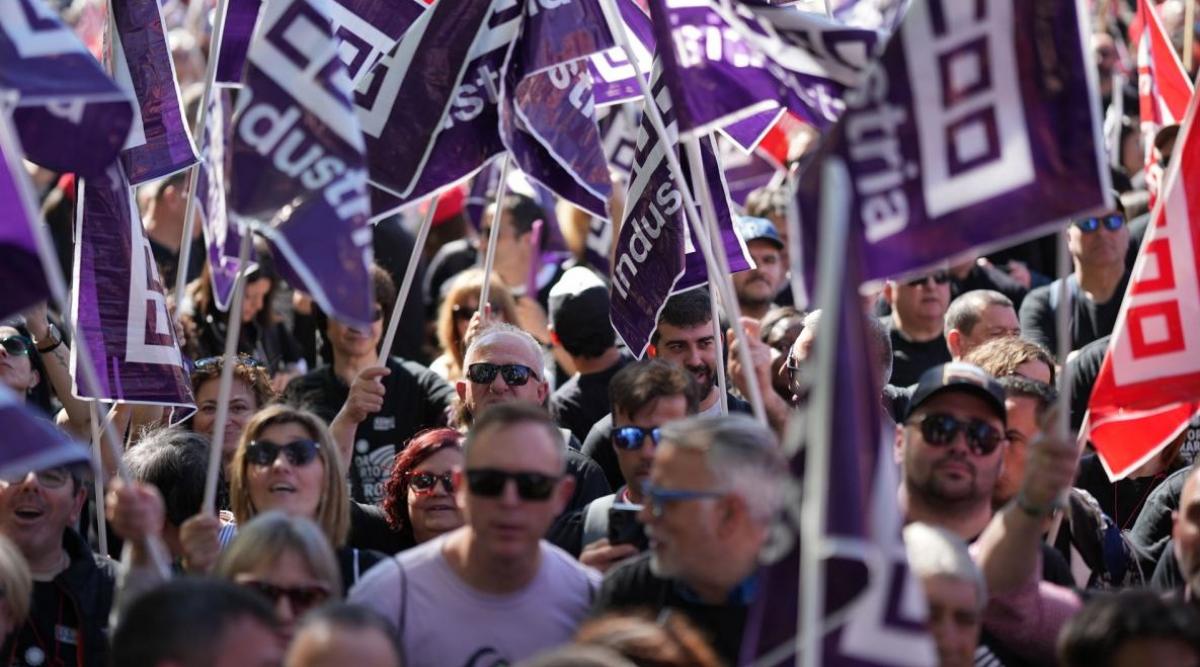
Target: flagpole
489	260
410	273
98	481
722	385
795	250
1062	324
617	28
834	246
233	331
1189	34
189	215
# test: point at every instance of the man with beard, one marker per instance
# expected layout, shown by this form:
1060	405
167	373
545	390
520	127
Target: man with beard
756	288
916	323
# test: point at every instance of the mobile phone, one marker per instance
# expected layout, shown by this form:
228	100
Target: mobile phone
624	527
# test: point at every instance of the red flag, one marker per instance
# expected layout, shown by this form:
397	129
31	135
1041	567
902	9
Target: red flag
1149	383
1163	85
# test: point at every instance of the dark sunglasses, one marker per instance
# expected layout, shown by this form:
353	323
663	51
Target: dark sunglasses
298	453
631	438
301	598
1111	222
938	277
214	363
17	346
490	483
425	482
940	430
514	375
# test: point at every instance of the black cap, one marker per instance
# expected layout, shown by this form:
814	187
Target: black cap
959	376
578	302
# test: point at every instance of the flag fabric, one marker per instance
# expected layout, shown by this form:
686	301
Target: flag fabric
1148	387
159	142
696	273
118	305
20	265
296	169
611	72
555	33
32	442
749	132
717	76
69	114
746	172
1163	86
368	29
960	139
618	133
240	19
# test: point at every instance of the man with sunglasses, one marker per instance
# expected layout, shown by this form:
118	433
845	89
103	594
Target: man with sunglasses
1099	246
492	592
916	325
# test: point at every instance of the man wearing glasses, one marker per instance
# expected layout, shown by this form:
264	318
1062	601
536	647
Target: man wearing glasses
715	486
492	592
916	325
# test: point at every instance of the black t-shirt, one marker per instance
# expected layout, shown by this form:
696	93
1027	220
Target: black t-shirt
416	399
1089	320
910	358
631	586
1151	532
369	529
582	401
393	246
590	483
1122	500
354	563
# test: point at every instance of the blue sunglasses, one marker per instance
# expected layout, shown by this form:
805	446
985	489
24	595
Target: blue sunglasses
1111	222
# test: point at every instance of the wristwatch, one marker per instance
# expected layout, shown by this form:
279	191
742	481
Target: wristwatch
53	339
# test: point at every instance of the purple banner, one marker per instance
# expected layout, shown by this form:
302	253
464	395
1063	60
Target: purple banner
559	32
21	268
612	74
745	173
297	162
160	142
221	239
599	245
368	29
618	132
735	249
960	125
749	132
240	19
118	305
70	115
32	442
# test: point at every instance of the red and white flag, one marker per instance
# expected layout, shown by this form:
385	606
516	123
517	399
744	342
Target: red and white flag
1163	85
1149	384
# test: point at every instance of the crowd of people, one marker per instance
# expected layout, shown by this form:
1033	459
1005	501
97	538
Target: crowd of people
510	485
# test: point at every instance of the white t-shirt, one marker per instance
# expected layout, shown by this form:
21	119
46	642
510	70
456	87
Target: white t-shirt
447	623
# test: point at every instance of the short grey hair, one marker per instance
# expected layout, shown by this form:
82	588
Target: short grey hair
878	333
966	310
934	551
742	455
504	328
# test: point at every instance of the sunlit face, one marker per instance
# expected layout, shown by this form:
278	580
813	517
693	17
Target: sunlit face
242	406
288	572
1100	248
685	538
435	511
635	464
348	342
16	370
255	298
1035	370
502	348
1185	533
293	489
950	474
758	286
1022	428
995	321
35	512
913	301
694	348
954	619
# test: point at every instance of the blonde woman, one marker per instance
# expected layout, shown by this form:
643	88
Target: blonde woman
16	589
454	318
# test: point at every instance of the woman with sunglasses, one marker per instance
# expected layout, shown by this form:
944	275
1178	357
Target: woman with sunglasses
420	502
454	318
250	392
286	559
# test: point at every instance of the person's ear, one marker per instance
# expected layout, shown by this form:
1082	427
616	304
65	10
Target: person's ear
35	378
459	479
652	351
889	291
563	492
954	343
543	392
554	340
730	509
80	498
460	388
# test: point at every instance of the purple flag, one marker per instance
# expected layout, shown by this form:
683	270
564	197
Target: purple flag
598	245
559	32
735	248
69	114
221	239
746	172
240	19
20	266
961	139
118	305
297	165
160	142
618	132
367	29
32	442
749	132
612	73
429	108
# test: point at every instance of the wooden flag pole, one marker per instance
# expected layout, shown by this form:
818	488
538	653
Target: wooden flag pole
98	482
489	260
410	273
1189	34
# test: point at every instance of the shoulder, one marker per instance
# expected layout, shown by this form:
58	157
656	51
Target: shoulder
314	380
564	567
1038	297
601	432
738	405
630	584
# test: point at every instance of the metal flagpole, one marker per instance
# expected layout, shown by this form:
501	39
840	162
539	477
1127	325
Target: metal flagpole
233	331
410	273
689	203
493	235
1189	35
98	482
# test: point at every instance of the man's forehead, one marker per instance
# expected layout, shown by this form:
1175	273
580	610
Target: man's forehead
668	333
961	402
524	445
504	347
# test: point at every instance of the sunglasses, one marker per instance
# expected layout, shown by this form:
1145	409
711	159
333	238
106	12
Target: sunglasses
301	598
51	478
17	346
490	483
940	430
658	497
298	453
514	375
214	363
1111	222
425	482
938	277
631	438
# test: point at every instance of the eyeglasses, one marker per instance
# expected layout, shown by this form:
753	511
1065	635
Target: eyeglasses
514	375
463	313
658	497
17	346
938	277
301	598
298	453
214	363
631	438
50	478
490	483
426	482
940	430
1111	222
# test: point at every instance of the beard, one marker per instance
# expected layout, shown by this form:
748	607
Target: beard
939	491
705	376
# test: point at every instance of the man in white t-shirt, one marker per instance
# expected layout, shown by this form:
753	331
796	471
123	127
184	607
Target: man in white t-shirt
492	592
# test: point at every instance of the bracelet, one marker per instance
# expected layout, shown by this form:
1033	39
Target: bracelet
1035	511
54	335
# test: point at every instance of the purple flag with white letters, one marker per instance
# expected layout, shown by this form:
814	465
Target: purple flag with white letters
69	114
32	442
240	19
160	142
118	305
735	248
746	172
297	165
557	32
222	239
367	29
21	268
612	73
618	133
966	135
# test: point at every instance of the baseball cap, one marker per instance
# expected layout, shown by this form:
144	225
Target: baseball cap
450	203
959	376
752	228
578	302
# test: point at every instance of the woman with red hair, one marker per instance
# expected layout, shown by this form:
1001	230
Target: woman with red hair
419	497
